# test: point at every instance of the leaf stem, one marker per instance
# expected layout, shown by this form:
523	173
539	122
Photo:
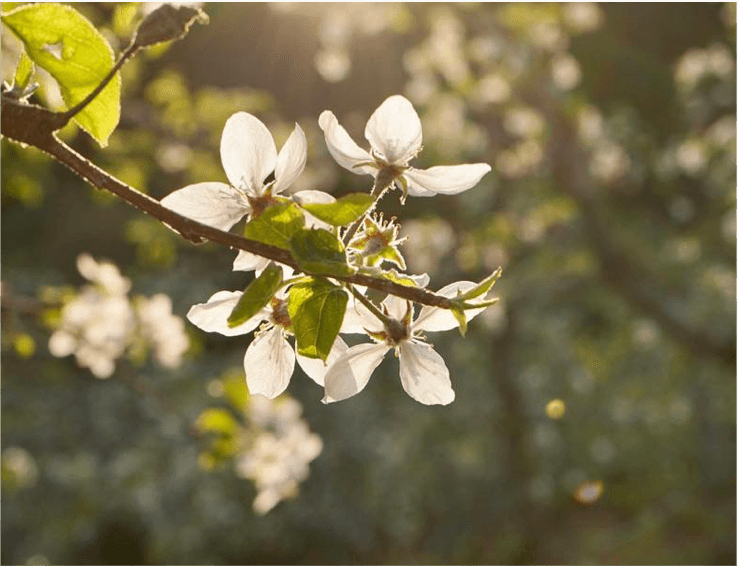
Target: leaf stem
377	192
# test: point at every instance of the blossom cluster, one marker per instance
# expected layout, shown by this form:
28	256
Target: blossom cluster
102	323
279	458
329	239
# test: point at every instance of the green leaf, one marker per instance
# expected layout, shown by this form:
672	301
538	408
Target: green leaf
23	72
483	287
316	308
460	316
399	278
320	252
276	225
345	210
257	295
63	42
216	420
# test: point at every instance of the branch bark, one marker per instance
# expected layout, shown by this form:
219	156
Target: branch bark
35	126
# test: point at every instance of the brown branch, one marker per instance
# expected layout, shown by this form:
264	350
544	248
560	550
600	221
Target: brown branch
35	126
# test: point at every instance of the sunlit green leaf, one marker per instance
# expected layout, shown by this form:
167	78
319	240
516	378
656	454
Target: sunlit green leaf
257	295
345	210
316	308
63	42
320	252
483	287
23	72
460	317
276	225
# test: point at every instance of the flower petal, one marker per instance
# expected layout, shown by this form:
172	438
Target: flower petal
269	363
351	372
315	368
214	204
358	319
246	261
291	160
213	315
394	130
397	307
444	179
435	319
340	145
248	152
424	374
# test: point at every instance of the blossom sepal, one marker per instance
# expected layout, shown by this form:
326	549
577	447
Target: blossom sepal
482	288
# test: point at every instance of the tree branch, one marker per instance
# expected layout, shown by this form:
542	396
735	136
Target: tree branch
35	126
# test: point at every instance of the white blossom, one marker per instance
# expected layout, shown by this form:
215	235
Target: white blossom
165	331
270	360
395	135
101	324
249	156
97	324
423	373
280	455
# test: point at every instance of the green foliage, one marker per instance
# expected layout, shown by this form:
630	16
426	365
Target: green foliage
483	287
23	72
320	252
276	225
219	421
257	295
63	42
316	308
344	211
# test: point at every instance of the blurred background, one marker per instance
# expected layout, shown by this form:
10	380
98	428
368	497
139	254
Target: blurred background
594	419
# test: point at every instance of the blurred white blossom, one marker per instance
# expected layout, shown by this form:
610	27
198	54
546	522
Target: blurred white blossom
582	17
279	457
100	324
164	330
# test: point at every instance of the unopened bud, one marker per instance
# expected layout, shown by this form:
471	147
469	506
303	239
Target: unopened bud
166	23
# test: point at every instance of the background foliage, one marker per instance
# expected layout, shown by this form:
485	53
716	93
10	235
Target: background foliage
595	411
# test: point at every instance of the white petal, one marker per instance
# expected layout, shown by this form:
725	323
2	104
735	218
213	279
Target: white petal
351	372
397	307
248	152
214	204
394	130
269	363
313	197
358	319
435	319
424	374
291	160
340	145
315	368
444	179
246	261
62	343
213	315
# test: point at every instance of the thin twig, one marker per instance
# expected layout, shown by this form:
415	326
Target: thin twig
190	229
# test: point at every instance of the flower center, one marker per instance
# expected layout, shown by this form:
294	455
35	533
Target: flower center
280	315
260	204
